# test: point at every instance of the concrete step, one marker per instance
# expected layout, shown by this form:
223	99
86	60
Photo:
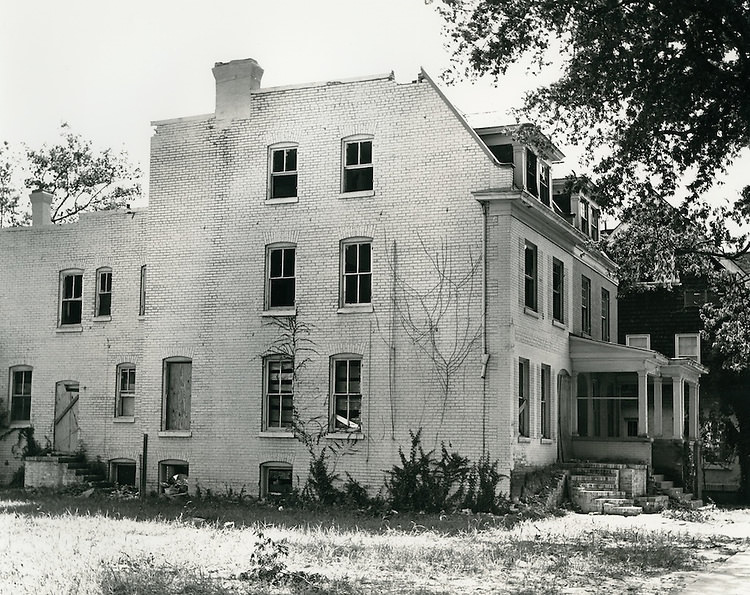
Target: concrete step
622	510
592	477
652	504
663	485
598	485
602	502
673	492
657	477
586	500
693	504
592	470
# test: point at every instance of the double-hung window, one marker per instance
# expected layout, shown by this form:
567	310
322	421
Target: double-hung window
545	408
523	397
283	172
688	345
558	276
585	305
279	406
104	292
281	277
356	272
531	173
20	393
605	315
142	299
544	193
358	168
346	394
125	406
530	276
71	297
583	212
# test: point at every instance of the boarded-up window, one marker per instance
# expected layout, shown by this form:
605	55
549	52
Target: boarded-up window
177	390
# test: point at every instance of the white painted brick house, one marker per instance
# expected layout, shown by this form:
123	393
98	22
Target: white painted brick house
433	279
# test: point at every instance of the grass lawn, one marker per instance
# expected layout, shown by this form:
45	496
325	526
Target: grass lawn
67	544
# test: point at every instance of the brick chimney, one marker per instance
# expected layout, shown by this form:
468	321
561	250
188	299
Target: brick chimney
234	81
41	202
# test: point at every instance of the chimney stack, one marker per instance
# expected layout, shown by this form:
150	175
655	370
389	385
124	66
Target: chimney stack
234	81
41	202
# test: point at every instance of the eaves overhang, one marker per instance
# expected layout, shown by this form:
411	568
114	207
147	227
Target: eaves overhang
590	355
536	214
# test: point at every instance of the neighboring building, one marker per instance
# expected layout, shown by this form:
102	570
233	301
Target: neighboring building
347	259
667	319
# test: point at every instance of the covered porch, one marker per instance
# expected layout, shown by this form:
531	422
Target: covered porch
629	404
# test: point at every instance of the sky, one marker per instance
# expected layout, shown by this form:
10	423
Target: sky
110	68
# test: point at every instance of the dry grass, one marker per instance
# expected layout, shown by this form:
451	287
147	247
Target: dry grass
62	544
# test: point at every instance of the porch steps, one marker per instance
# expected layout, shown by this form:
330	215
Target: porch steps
667	489
594	488
73	470
652	504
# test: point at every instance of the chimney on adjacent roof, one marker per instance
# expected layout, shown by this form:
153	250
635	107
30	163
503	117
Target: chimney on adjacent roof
41	202
234	81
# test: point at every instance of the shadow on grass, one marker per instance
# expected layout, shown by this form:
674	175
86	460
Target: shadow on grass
248	512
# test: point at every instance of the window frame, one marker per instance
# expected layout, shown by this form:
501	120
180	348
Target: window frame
266	469
128	393
531	278
696	336
14	397
545	402
334	424
558	294
585	305
101	272
584	217
358	274
281	395
345	167
594	225
283	247
166	376
64	274
272	175
545	194
142	292
523	420
532	177
630	337
605	314
114	471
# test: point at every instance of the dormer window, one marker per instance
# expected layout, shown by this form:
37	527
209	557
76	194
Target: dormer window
544	194
583	211
531	181
595	224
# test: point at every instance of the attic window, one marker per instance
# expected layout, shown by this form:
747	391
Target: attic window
503	153
544	184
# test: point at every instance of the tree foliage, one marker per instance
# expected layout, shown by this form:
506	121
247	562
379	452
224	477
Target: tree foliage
79	177
661	86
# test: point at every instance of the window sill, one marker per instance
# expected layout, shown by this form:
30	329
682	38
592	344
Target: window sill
558	324
282	201
141	317
546	441
124	419
355	309
175	433
357	194
345	436
531	312
25	423
72	328
280	312
271	434
524	440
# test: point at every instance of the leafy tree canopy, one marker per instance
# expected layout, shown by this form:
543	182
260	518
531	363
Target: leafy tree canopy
79	177
656	91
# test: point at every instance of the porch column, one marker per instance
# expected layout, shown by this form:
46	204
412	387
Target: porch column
694	409
658	407
642	403
574	404
678	407
589	406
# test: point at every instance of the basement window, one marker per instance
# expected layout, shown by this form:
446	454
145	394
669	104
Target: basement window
275	480
122	472
173	477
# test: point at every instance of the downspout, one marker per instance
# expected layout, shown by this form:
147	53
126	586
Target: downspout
485	355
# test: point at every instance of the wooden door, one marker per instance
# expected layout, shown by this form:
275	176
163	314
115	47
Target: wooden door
177	409
66	416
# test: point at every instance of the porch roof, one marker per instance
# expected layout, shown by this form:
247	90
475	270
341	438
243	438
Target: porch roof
589	355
